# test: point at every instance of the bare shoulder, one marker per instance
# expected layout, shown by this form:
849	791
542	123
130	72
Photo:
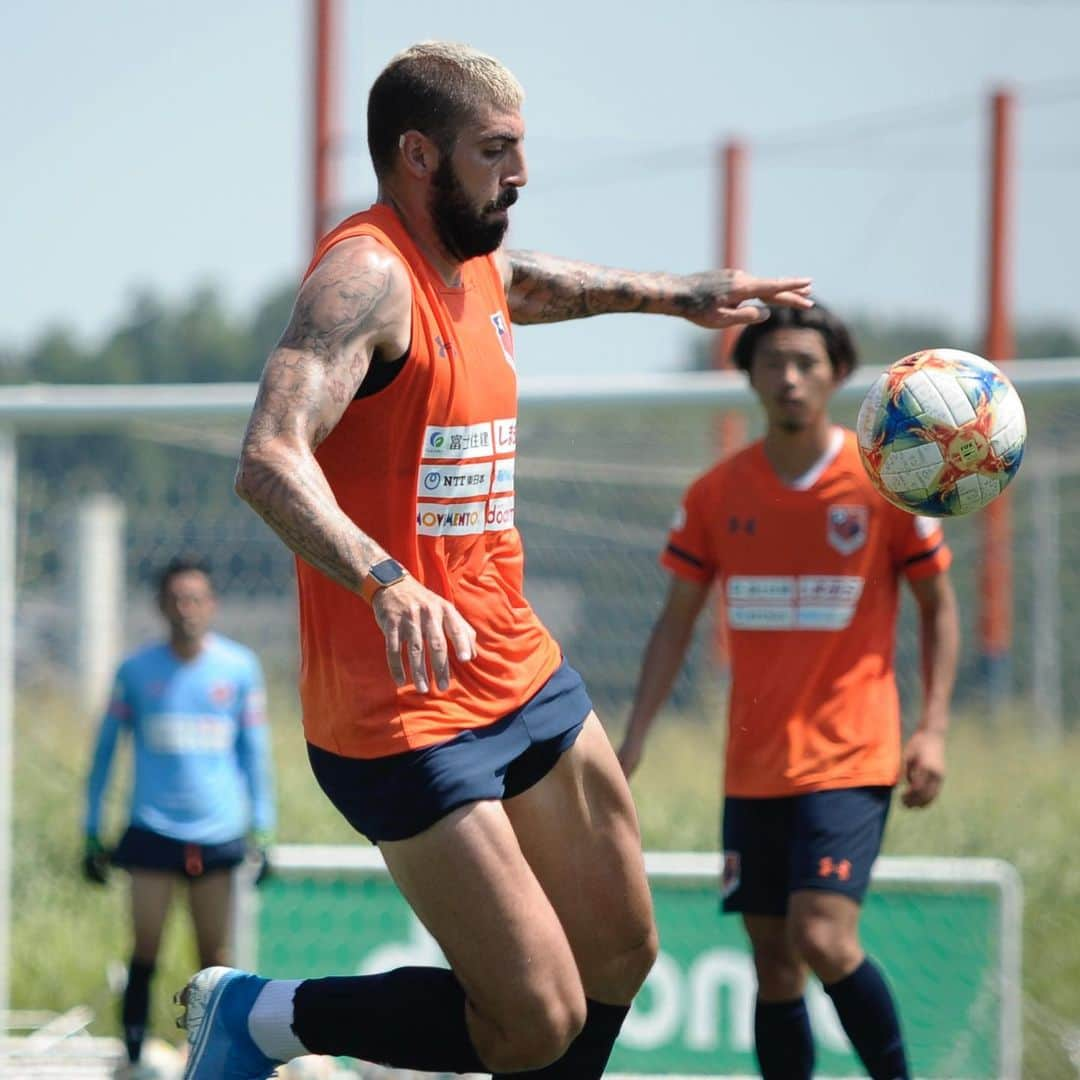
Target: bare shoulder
359	289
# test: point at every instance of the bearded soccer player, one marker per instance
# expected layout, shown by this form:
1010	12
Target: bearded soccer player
809	557
441	718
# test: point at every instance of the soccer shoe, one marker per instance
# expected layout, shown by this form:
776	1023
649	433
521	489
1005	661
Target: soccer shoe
216	1003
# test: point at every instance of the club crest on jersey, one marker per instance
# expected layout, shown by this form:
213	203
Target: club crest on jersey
221	694
730	873
506	342
848	527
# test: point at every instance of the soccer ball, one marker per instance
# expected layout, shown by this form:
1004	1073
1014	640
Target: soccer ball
941	432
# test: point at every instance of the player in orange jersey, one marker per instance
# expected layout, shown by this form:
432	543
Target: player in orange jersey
440	716
809	558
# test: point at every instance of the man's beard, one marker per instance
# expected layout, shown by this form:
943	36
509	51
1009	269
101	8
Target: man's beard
463	230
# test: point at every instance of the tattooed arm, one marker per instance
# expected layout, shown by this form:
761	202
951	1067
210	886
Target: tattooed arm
356	306
545	288
357	302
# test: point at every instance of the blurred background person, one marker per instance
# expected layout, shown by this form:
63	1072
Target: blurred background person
202	795
810	557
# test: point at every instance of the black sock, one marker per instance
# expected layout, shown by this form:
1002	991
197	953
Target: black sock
589	1052
783	1040
135	1007
868	1015
409	1018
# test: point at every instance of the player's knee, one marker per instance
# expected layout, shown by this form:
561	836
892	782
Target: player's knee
615	968
539	1032
637	962
826	945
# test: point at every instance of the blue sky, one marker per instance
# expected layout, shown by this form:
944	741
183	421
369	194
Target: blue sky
150	143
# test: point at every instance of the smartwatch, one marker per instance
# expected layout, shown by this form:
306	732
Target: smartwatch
383	573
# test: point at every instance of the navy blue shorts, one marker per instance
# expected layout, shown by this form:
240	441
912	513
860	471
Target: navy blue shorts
142	849
821	840
401	795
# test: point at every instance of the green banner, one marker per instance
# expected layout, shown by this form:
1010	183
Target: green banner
945	931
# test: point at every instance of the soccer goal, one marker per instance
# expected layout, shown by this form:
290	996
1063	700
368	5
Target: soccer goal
99	486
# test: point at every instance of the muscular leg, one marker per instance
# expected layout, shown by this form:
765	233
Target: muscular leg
782	1035
210	897
151	894
578	830
825	929
499	932
514	999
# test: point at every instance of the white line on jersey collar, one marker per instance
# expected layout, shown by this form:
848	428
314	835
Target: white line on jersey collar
813	474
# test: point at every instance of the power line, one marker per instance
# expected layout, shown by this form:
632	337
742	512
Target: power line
852	132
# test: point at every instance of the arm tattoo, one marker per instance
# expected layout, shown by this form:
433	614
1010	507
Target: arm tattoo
297	503
545	288
335	305
309	381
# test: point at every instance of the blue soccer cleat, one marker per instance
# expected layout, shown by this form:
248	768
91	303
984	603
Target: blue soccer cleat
216	1003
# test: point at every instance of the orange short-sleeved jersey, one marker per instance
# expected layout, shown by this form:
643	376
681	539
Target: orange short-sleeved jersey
425	466
810	576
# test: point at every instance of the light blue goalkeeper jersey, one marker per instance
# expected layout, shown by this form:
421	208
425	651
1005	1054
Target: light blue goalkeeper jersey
202	770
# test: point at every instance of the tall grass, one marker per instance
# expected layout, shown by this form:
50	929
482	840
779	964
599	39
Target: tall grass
1004	797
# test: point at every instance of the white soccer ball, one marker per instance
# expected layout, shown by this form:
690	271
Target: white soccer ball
941	432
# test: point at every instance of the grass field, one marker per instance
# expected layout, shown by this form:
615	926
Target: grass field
1004	798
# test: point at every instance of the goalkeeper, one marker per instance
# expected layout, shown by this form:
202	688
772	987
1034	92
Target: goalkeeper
194	709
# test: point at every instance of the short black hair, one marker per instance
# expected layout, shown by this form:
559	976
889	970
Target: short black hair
436	88
399	100
838	340
182	564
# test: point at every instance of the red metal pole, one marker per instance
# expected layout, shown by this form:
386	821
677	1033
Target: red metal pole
996	569
730	429
323	186
731	244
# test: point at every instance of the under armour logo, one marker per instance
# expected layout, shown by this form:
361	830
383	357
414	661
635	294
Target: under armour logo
840	870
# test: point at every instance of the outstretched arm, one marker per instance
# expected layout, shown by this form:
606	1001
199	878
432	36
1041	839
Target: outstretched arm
663	657
545	288
357	302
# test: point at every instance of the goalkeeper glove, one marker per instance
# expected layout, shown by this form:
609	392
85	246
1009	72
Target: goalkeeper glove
95	864
261	841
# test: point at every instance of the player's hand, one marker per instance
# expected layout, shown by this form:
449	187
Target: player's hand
421	628
95	863
630	753
923	768
718	298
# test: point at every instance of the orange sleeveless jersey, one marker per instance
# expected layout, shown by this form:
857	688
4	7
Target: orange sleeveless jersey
811	588
425	466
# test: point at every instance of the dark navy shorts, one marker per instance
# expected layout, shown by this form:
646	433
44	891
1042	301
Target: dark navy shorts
401	795
821	840
142	849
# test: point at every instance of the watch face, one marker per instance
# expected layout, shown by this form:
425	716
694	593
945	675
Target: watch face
387	572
